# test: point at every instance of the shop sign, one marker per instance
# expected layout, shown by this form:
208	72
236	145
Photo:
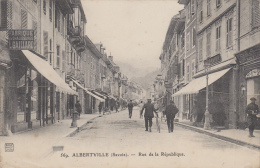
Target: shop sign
253	73
21	39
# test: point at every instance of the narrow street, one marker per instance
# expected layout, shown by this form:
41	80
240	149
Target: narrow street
117	141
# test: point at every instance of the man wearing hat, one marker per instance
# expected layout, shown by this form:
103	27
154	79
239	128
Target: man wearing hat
171	110
148	114
252	110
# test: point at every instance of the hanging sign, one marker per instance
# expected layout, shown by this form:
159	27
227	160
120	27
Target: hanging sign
21	39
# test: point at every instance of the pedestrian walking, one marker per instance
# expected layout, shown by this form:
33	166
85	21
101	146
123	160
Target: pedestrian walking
252	110
148	114
78	107
117	106
141	105
100	107
171	110
130	108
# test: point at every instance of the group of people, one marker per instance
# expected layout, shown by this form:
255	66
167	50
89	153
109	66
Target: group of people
149	109
171	110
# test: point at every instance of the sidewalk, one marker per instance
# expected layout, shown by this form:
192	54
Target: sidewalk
237	136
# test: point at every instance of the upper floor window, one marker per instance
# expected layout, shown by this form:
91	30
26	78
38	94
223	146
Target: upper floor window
183	40
50	10
200	9
229	33
192	68
208	44
24	19
218	3
188	42
188	12
218	34
188	72
57	18
44	6
45	44
193	37
255	13
192	7
200	48
208	8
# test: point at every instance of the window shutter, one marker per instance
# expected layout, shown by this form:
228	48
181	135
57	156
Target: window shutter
63	60
255	13
3	24
24	19
45	42
192	7
35	35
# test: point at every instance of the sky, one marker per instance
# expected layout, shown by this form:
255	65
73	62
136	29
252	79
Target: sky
133	31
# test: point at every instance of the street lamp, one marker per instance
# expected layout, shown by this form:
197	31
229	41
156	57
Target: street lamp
207	114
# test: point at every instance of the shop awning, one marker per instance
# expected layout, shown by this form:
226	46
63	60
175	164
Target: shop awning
112	97
99	94
88	92
48	72
197	84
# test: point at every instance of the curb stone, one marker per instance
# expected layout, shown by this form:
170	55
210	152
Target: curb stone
235	141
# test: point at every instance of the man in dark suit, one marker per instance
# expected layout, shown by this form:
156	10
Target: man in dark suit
252	110
148	114
130	108
171	110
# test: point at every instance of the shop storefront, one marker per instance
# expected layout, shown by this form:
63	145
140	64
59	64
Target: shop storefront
249	81
221	81
34	92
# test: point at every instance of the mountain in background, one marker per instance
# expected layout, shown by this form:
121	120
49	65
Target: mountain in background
144	77
147	80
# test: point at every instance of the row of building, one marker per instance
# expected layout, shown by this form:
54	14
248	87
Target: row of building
47	63
219	39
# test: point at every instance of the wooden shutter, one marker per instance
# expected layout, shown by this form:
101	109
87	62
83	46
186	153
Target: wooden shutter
24	19
3	24
255	13
45	43
35	35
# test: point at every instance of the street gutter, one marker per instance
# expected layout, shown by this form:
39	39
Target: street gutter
235	141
